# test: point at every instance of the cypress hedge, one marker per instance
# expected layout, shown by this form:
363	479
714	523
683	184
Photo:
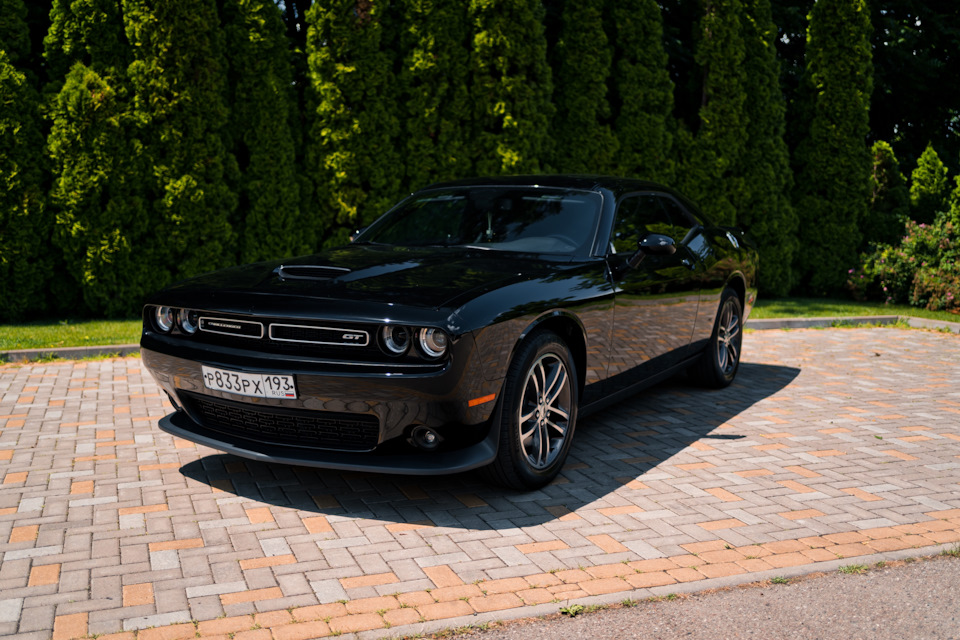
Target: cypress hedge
710	157
96	155
176	146
584	141
25	260
765	209
262	133
177	79
353	154
834	163
642	95
511	86
434	78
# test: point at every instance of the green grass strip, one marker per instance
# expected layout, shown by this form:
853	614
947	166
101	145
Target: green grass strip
826	307
83	333
68	333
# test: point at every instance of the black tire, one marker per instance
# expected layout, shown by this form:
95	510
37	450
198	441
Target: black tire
527	414
718	365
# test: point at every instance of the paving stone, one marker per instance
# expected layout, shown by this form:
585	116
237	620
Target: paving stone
787	457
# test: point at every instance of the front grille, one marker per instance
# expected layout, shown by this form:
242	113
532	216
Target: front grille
319	335
279	425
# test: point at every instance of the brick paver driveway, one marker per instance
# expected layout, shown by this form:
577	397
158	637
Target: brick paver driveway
832	443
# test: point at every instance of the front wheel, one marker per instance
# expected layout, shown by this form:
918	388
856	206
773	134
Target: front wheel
718	365
538	414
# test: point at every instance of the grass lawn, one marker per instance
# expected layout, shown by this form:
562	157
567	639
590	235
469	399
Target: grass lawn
68	333
825	307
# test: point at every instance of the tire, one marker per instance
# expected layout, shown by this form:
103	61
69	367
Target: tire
536	428
718	365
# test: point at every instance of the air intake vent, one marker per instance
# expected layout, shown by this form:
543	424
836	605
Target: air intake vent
309	272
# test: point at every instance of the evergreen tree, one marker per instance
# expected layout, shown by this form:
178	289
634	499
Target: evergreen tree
834	163
24	226
766	210
511	86
353	155
642	94
104	227
584	142
929	187
14	33
262	128
434	80
888	209
101	223
711	158
87	31
177	78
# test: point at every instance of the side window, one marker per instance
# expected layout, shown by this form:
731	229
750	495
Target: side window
639	215
681	219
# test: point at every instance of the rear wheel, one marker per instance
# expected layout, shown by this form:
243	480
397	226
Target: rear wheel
718	365
538	414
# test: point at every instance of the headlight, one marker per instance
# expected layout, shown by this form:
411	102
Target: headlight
164	318
189	319
395	339
433	342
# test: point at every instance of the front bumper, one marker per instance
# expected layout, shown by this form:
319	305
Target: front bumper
333	405
420	463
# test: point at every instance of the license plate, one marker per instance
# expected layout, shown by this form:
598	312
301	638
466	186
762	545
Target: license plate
258	385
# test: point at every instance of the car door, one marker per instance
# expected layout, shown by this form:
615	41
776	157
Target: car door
655	303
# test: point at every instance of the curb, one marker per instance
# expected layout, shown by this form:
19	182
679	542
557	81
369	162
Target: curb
700	586
68	353
764	324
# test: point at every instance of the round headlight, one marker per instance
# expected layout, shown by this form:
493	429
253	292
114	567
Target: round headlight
164	318
433	342
395	339
189	319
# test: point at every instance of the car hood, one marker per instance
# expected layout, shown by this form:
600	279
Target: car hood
428	277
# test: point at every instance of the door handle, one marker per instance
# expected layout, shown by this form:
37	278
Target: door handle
688	263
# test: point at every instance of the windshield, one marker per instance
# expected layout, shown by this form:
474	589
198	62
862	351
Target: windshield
524	219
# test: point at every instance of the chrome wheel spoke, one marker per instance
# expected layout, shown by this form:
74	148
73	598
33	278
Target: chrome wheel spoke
544	414
733	328
560	430
561	377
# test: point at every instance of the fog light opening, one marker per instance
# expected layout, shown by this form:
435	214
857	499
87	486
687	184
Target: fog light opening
425	438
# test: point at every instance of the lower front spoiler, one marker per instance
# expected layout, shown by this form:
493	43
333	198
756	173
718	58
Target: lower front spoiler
426	463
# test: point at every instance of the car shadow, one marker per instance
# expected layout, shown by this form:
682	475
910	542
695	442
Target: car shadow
634	440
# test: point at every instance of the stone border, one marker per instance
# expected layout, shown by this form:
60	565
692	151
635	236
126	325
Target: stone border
68	353
74	353
707	565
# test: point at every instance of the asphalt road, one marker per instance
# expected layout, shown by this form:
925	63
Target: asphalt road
903	601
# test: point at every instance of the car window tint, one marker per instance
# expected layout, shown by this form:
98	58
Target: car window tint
522	219
431	220
638	216
680	217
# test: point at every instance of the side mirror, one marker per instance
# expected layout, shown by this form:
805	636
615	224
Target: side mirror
652	244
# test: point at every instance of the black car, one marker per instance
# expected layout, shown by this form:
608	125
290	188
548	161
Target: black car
467	327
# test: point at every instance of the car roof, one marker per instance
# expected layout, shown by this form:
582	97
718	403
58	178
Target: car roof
572	181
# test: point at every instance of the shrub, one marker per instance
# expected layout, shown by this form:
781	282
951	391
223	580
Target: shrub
921	271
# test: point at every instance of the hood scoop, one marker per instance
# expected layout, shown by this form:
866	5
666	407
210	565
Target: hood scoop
309	272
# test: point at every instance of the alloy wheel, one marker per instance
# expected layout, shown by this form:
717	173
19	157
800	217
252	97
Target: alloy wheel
544	413
728	337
